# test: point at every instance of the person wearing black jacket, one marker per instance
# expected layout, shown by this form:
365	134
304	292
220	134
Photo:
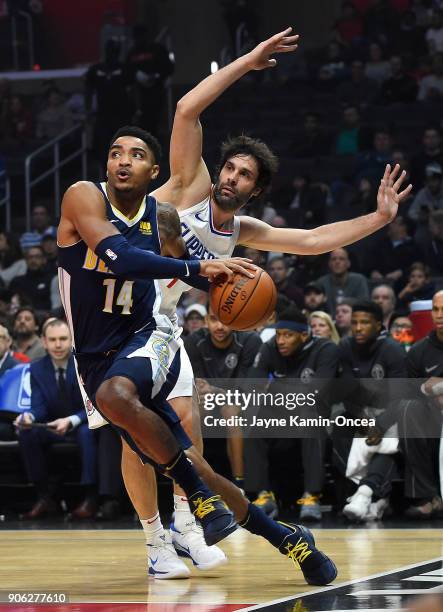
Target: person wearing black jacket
368	354
293	354
421	419
217	353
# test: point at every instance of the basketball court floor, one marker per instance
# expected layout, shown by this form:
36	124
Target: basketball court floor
104	570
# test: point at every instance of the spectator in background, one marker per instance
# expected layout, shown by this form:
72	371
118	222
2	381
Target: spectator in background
149	66
195	318
108	81
352	137
308	203
55	118
313	140
36	282
401	330
368	354
217	353
293	354
7	361
349	26
408	41
268	331
381	22
314	298
431	86
334	60
278	270
17	124
26	339
340	282
377	67
430	197
41	225
343	316
57	401
11	259
419	286
400	87
420	420
433	256
431	153
365	198
434	33
384	296
358	89
49	246
5	299
323	326
394	253
371	164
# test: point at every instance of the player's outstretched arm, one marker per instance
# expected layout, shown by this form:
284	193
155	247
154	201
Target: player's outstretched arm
190	180
84	217
260	235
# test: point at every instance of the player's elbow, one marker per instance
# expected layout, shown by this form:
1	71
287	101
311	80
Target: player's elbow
185	109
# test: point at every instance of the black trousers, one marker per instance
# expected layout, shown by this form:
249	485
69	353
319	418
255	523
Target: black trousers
257	465
419	426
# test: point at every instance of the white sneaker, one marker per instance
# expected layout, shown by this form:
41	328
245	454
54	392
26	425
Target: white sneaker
358	505
163	562
377	509
191	543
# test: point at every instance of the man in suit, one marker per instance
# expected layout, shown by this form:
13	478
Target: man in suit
57	402
7	361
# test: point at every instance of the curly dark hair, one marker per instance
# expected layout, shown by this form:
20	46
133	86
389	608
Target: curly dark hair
150	141
267	162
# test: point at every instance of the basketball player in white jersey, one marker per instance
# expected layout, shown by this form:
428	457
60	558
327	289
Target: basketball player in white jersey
211	229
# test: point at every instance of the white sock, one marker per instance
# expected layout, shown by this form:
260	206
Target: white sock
152	527
182	512
367	491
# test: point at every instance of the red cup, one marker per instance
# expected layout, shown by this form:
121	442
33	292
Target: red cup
421	317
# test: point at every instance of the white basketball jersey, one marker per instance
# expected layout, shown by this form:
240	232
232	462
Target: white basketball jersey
204	242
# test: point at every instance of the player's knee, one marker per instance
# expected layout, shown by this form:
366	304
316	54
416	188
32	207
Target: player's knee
114	398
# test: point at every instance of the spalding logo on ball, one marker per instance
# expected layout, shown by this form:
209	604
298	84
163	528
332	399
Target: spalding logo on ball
243	303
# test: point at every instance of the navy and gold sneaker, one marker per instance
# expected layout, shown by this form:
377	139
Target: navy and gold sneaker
299	546
214	516
266	502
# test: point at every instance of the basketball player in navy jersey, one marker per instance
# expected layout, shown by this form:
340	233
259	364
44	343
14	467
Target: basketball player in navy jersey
125	375
109	256
210	228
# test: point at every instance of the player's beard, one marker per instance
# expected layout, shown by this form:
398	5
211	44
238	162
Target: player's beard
228	203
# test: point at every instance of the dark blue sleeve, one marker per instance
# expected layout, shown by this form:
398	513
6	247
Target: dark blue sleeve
126	260
38	403
199	282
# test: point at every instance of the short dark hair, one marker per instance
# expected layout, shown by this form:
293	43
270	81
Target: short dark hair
150	141
267	162
27	309
370	307
293	314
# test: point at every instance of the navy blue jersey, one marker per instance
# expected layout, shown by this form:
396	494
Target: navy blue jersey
103	310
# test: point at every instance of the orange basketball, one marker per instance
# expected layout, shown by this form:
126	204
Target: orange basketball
243	303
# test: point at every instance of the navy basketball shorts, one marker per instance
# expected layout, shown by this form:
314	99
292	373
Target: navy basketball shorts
151	360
